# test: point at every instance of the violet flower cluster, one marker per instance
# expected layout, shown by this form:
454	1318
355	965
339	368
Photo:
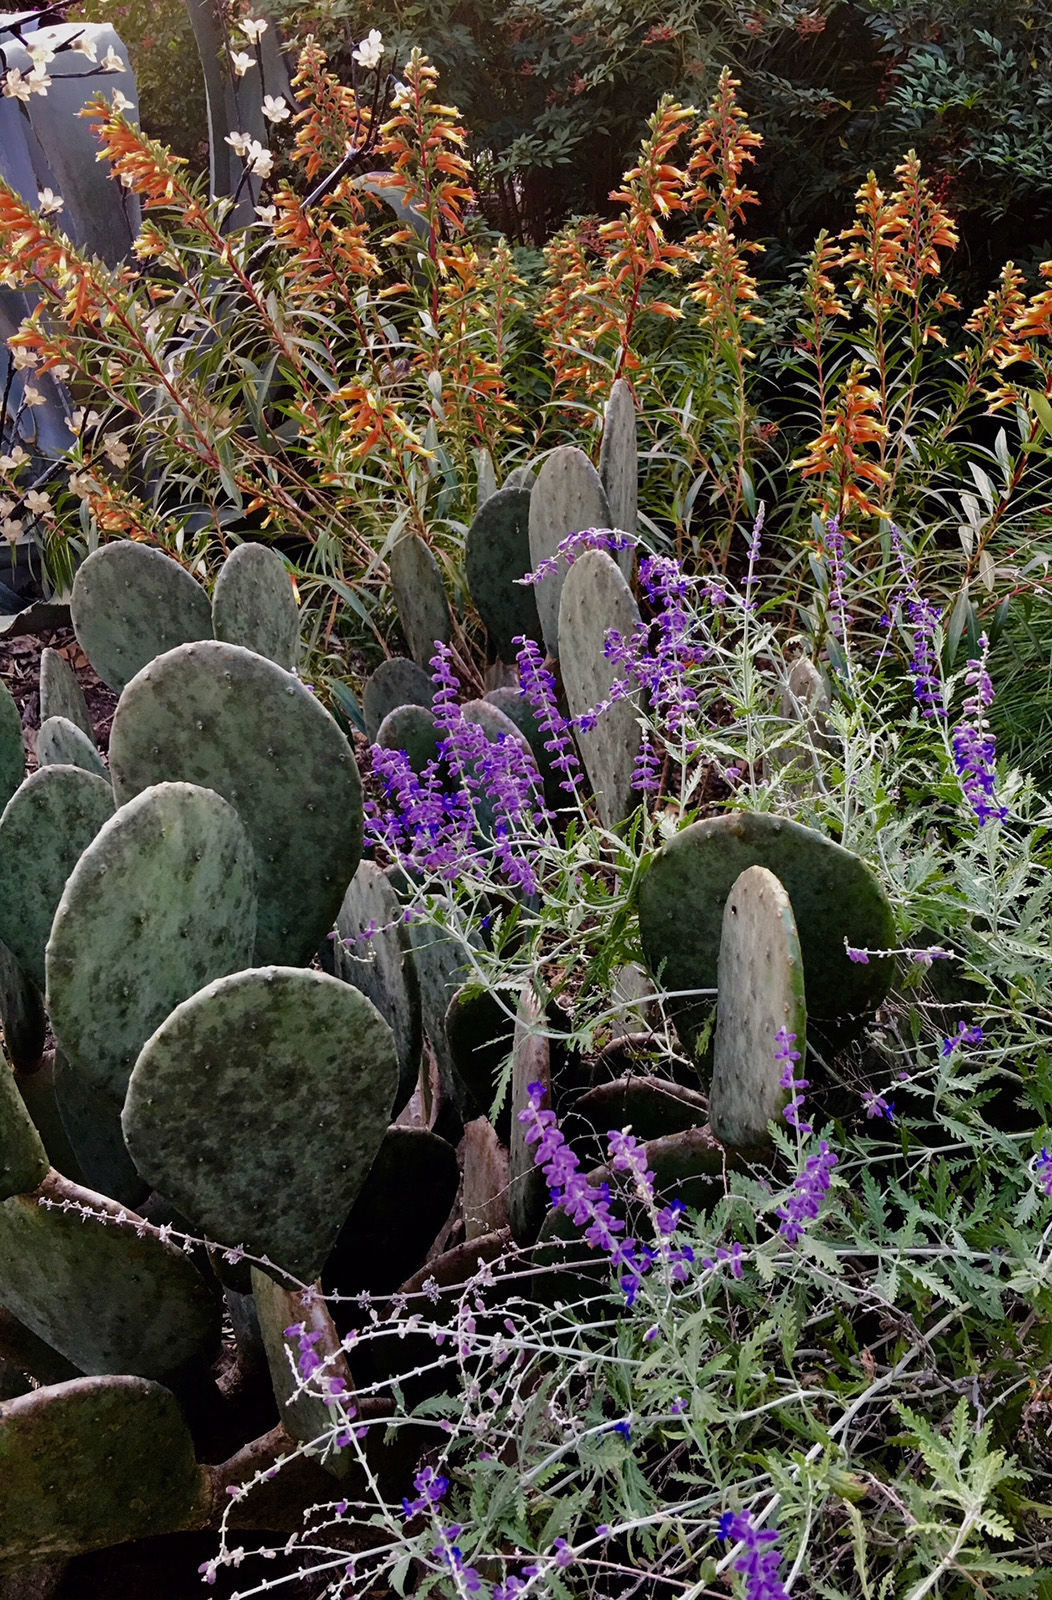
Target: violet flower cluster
574	545
759	1560
808	1193
431	1489
588	1205
924	619
1041	1167
974	746
784	1040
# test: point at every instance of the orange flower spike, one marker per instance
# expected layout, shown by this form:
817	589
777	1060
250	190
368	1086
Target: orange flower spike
994	322
722	145
854	423
1034	320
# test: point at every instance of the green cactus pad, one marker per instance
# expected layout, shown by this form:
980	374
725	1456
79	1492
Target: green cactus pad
220	716
760	977
131	603
527	1192
37	1089
619	464
253	604
307	1416
566	497
480	1030
834	897
414	730
21	1014
420	596
395	683
100	1294
94	1462
521	477
396	1218
497	553
275	1084
91	1122
61	694
484	1192
61	743
596	598
161	901
45	828
12	745
443	964
382	966
487	478
23	1159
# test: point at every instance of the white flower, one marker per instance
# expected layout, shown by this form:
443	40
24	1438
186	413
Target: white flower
16	87
49	201
371	50
401	97
86	47
239	142
119	102
11	529
253	27
16	459
81	483
32	396
6	506
83	419
37	503
275	109
41	52
38	80
22	356
240	60
60	371
115	448
267	213
111	61
260	160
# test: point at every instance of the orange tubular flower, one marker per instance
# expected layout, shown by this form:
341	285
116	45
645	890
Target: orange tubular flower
142	164
835	456
36	255
371	420
331	118
723	144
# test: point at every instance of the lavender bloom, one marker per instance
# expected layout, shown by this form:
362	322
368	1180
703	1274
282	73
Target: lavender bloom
974	746
538	685
663	672
964	1035
809	1191
876	1105
733	1255
861	957
796	1086
835	546
646	774
759	1561
753	557
1042	1170
927	685
430	1489
574	545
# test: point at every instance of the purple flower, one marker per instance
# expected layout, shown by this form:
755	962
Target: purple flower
808	1192
1042	1170
574	545
733	1255
646	775
785	1052
563	1553
430	1489
538	686
964	1035
623	1428
759	1561
877	1106
860	957
974	746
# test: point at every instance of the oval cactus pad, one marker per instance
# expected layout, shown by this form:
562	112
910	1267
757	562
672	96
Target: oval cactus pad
254	605
258	1107
131	603
221	716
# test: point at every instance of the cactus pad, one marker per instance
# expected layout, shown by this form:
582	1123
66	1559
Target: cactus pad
91	1123
619	464
61	694
46	826
497	553
272	1084
307	1416
100	1294
528	1199
420	596
596	598
566	497
23	1159
131	603
760	977
414	730
253	604
21	1014
834	896
61	743
396	682
161	901
94	1462
12	745
382	966
220	716
396	1218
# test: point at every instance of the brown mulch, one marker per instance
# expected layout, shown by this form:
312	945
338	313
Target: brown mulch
20	670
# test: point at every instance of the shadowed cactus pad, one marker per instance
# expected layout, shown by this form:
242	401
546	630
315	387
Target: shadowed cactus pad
306	1417
131	603
106	1298
420	596
395	683
161	901
834	896
61	694
596	598
258	1107
619	464
46	826
225	718
566	497
414	730
12	745
93	1462
253	605
497	553
61	743
760	976
381	965
23	1159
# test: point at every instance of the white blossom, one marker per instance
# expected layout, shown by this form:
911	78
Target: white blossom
83	419
260	160
239	143
119	102
267	213
82	484
371	50
17	458
115	448
275	108
23	356
16	87
38	80
38	502
40	52
86	47
49	201
240	60
32	396
253	27
11	529
111	61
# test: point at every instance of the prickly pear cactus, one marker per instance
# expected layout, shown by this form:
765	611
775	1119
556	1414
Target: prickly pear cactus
497	554
274	1082
619	464
223	717
396	682
93	1462
12	745
131	603
527	1191
160	902
61	743
61	694
23	1159
521	477
305	1416
414	730
398	1214
420	596
374	953
760	978
90	1118
109	1295
834	895
45	828
567	496
596	598
253	604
